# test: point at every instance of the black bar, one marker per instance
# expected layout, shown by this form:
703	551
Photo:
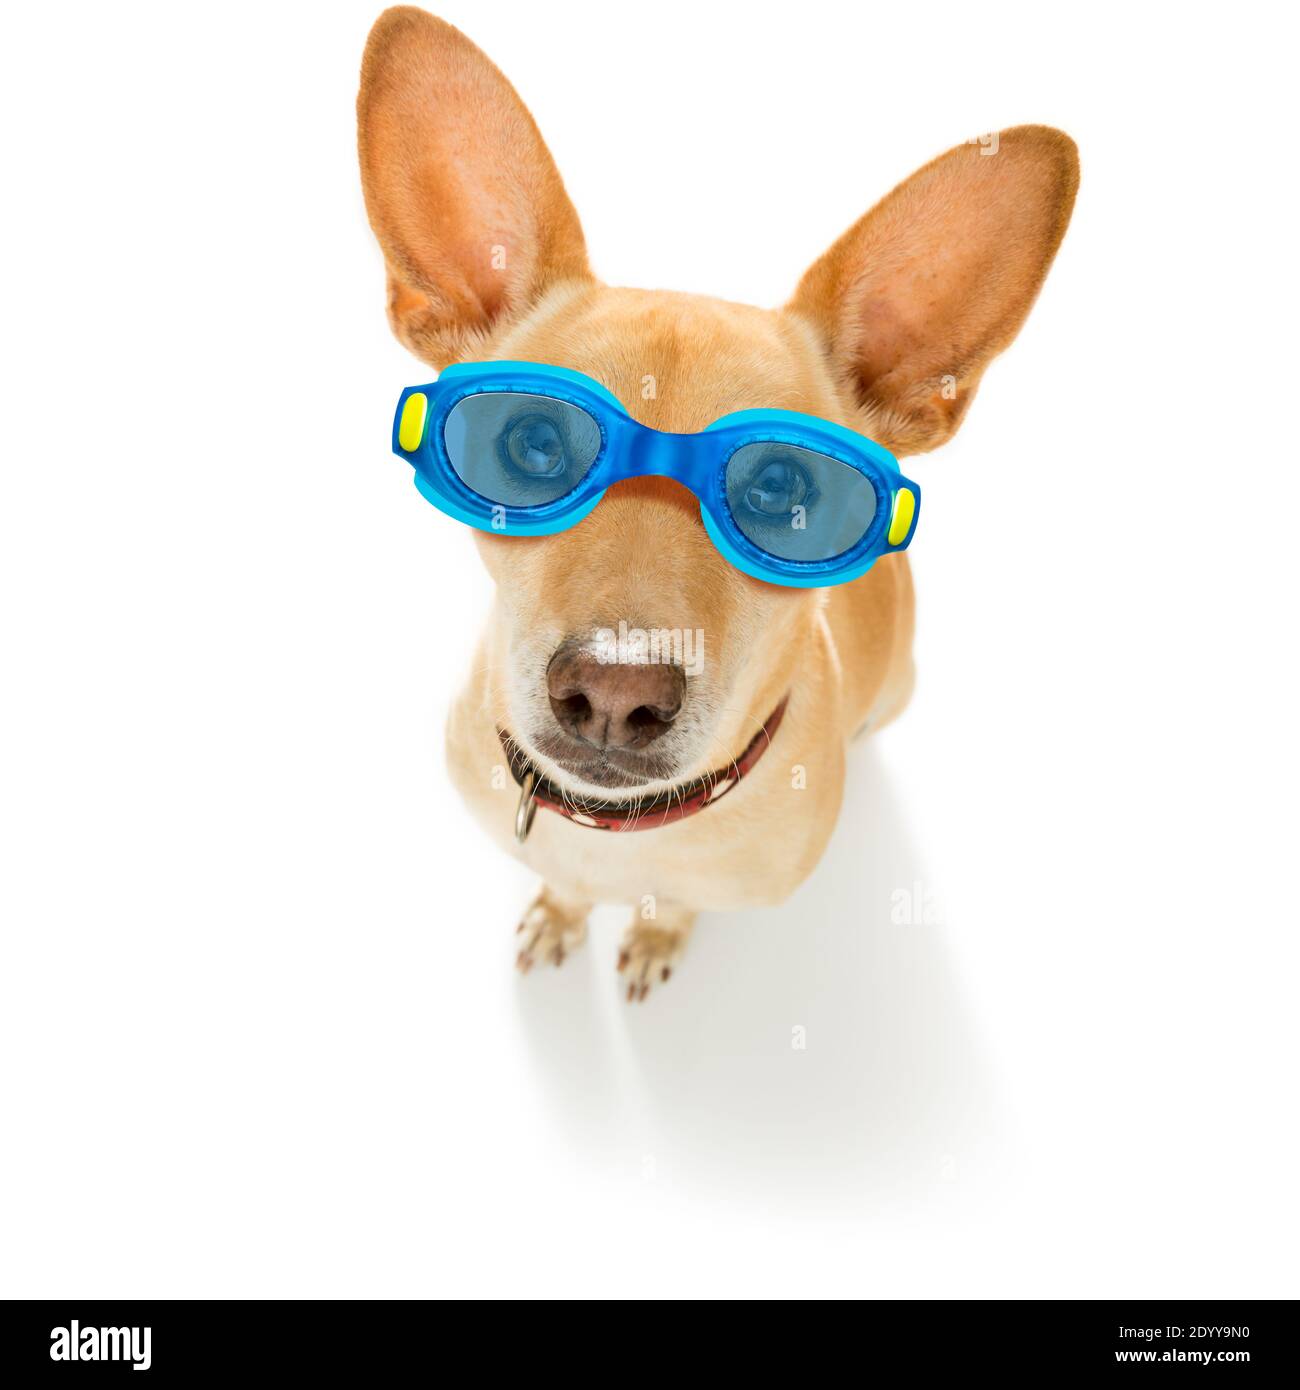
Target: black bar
368	1340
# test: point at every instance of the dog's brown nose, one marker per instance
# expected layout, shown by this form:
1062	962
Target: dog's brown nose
613	704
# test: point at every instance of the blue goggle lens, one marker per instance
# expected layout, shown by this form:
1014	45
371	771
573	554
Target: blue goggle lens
520	450
798	504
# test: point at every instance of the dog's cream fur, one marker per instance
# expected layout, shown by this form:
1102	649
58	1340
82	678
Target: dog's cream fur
888	333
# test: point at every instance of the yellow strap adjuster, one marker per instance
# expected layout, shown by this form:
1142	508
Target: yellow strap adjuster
411	430
904	511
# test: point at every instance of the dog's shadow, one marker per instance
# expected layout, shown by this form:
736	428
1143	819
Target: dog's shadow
816	1052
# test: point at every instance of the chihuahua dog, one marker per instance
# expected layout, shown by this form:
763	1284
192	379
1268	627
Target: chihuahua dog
703	772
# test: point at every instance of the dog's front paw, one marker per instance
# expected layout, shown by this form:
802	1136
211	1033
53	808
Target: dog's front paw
551	928
650	951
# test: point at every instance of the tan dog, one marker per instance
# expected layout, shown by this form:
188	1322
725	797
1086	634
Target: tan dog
888	333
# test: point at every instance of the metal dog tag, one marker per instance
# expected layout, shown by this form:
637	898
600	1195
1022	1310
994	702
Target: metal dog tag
527	808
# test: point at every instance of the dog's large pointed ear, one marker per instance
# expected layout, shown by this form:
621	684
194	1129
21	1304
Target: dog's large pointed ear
916	298
461	190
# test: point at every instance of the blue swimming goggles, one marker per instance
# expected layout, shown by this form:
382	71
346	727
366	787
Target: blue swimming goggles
521	449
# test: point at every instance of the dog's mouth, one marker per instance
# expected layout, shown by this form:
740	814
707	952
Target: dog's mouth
618	769
650	807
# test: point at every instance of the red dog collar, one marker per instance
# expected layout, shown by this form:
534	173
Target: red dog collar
662	809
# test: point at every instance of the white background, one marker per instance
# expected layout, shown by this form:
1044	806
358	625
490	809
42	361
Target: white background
259	1028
